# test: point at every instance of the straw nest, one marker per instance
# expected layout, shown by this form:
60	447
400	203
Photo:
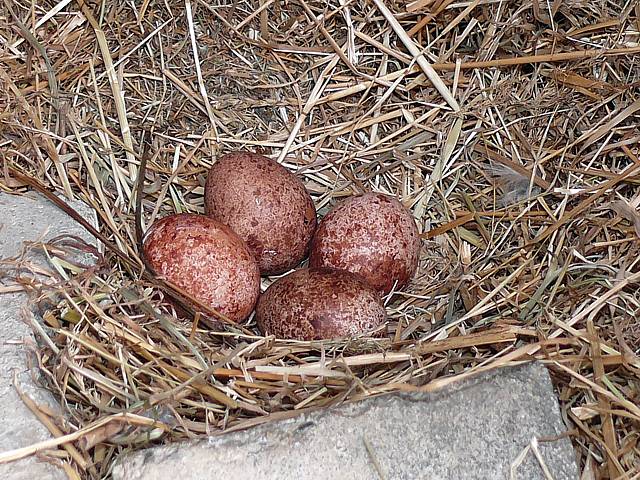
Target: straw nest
509	128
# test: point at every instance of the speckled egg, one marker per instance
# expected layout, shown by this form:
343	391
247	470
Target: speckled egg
206	259
319	303
266	205
372	235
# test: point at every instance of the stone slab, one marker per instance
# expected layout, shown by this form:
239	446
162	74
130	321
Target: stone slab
29	217
475	430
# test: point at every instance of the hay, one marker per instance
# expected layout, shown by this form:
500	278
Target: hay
521	166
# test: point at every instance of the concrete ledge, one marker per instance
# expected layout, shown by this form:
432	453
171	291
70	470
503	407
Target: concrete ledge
28	217
475	430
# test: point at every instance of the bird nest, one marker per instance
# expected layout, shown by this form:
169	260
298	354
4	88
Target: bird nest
508	128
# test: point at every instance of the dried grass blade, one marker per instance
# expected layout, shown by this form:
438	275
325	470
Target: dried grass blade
18	453
52	427
629	213
631	170
196	60
540	58
631	407
48	143
420	58
45	18
118	94
591	137
605	405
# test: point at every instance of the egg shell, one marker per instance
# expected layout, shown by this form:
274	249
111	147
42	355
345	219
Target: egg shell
206	259
266	205
372	235
320	303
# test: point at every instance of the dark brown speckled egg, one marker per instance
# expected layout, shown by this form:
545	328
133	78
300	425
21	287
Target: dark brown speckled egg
319	303
206	259
266	205
372	235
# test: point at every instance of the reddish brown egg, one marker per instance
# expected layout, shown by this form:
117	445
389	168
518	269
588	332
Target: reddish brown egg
321	303
266	205
372	235
206	259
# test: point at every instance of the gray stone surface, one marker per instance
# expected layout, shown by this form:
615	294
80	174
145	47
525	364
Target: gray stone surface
475	430
26	218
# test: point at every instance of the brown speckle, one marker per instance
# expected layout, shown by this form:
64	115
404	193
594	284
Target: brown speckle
321	303
372	235
260	199
207	259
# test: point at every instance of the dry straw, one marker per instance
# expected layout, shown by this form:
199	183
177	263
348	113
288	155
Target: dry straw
509	128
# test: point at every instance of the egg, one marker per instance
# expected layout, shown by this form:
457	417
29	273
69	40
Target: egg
372	235
206	259
266	205
319	303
